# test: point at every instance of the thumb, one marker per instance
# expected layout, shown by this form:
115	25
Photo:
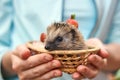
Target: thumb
22	51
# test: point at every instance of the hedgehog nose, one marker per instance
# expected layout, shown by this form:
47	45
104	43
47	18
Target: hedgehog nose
47	47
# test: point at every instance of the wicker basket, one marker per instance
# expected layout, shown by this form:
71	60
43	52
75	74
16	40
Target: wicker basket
69	59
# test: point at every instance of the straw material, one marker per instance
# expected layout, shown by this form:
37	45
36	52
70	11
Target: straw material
69	59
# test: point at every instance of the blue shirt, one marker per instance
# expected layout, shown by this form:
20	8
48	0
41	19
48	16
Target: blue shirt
24	20
85	14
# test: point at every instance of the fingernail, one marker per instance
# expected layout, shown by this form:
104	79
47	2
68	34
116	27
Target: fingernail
105	52
56	74
94	58
75	76
84	70
26	55
54	64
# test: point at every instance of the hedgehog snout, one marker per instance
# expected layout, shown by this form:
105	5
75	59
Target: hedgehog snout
47	47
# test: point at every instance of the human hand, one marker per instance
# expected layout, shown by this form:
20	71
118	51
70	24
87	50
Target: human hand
34	67
96	62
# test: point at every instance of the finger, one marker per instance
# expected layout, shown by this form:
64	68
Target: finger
22	51
94	42
16	61
87	71
77	76
41	69
32	61
97	61
103	52
50	75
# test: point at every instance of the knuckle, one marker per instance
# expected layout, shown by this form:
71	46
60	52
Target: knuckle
101	65
48	66
45	78
96	60
53	74
92	76
22	77
36	72
41	58
48	76
30	63
52	64
15	67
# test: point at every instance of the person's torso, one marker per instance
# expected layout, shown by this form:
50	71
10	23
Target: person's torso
31	18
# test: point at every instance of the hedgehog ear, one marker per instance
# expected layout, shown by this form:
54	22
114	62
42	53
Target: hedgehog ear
73	32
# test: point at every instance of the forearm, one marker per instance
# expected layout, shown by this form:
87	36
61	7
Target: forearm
7	65
113	61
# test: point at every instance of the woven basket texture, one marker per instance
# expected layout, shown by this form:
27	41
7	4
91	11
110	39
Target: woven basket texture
69	59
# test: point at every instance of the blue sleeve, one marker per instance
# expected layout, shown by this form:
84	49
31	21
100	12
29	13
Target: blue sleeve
5	27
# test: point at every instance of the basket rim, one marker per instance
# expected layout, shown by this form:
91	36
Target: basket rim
91	49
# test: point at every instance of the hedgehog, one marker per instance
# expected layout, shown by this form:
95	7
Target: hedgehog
64	36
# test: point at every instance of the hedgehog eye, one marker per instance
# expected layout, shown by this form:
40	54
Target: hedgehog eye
59	39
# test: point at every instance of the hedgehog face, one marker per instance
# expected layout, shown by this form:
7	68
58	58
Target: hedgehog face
59	36
63	36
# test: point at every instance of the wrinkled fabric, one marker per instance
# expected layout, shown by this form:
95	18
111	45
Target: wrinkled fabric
23	20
